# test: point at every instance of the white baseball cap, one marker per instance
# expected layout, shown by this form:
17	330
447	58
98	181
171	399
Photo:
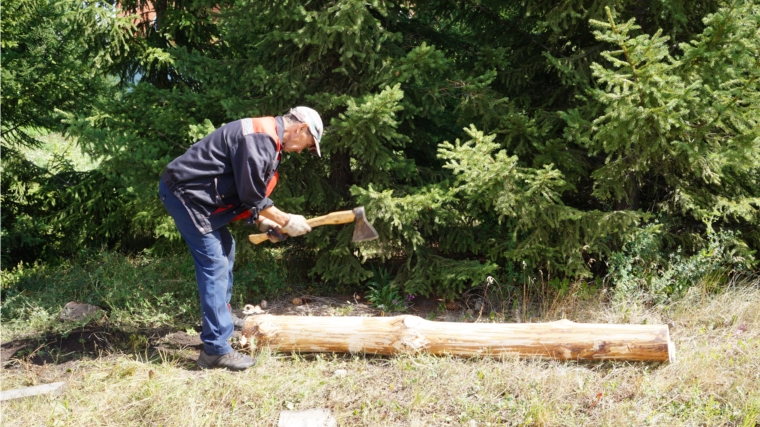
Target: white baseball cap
311	118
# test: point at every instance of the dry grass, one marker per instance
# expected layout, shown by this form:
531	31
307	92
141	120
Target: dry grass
716	381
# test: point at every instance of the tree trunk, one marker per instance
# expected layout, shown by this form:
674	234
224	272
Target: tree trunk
563	339
340	173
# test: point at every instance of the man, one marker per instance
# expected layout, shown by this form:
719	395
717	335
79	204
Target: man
228	176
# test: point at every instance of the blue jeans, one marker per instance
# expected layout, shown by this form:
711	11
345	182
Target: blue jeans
214	256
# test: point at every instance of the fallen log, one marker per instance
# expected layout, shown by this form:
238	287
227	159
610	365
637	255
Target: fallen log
563	339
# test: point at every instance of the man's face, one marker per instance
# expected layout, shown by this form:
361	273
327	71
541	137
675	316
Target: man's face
298	138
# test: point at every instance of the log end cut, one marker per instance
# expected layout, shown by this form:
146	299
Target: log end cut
671	349
260	328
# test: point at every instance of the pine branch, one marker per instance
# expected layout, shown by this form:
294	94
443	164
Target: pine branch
635	73
627	57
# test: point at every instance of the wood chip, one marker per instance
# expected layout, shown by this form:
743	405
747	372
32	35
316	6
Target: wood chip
32	391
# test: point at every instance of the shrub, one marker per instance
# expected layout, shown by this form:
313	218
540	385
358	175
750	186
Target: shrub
641	267
383	293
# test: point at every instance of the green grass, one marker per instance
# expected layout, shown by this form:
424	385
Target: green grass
714	382
135	292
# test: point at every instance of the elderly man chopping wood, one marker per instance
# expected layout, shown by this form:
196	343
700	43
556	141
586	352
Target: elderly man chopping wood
228	176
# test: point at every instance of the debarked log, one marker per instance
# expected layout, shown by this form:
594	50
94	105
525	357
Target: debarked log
563	339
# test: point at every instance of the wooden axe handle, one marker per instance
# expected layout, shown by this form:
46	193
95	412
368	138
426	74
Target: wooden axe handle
333	218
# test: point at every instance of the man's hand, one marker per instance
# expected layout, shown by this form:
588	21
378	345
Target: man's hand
296	226
266	225
272	229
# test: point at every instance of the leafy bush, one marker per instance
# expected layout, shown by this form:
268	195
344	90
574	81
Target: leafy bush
641	269
383	293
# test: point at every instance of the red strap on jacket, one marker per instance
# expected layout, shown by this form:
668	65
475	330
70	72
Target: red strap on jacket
268	125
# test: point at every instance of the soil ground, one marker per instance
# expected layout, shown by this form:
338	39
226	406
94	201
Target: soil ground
93	341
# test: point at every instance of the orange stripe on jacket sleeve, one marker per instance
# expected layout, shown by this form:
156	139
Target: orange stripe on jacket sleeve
266	125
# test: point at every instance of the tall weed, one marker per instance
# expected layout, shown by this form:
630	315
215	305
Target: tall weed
383	293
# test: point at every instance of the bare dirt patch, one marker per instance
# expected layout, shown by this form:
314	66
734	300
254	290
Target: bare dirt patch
58	348
95	341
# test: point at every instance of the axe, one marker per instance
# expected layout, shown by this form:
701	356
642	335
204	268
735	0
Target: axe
363	230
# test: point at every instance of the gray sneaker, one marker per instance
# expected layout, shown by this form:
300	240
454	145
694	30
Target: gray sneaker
234	361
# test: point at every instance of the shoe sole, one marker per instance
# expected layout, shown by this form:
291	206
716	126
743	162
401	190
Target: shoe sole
206	366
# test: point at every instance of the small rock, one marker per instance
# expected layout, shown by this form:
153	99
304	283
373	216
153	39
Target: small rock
317	417
473	423
264	304
74	311
297	301
340	373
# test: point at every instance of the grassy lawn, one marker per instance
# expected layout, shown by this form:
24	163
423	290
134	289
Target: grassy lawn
715	381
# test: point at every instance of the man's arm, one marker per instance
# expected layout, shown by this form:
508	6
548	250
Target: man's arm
251	160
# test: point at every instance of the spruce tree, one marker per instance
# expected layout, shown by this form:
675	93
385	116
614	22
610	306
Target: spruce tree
53	54
481	136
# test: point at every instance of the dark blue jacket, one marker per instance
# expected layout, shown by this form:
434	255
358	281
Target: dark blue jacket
225	174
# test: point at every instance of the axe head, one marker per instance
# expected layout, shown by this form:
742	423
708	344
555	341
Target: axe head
363	230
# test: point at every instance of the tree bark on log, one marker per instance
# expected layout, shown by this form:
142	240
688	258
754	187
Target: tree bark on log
562	340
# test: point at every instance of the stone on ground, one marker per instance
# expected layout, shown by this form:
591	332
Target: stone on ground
316	417
74	311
